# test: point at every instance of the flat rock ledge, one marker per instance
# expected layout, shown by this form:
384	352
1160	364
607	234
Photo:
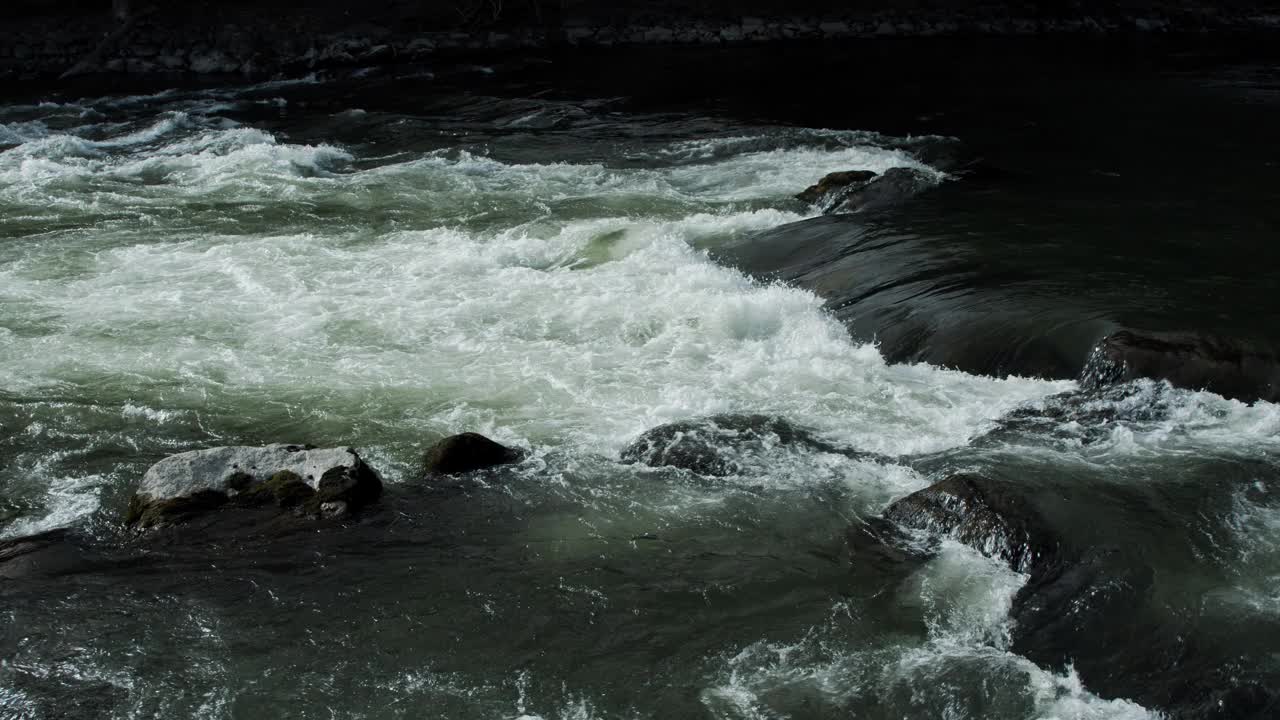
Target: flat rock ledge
304	480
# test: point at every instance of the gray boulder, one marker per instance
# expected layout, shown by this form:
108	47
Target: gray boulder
329	481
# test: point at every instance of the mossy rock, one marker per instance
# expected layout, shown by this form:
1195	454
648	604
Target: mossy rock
285	489
239	481
355	485
296	478
144	513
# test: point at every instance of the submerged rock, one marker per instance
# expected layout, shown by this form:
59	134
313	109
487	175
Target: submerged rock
720	445
55	552
833	183
891	188
185	486
1088	604
853	191
467	452
1235	369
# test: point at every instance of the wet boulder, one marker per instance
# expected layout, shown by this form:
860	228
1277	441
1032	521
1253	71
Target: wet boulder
954	158
329	481
722	445
1091	602
1236	369
988	516
852	192
834	183
55	552
891	188
1100	616
467	452
1084	416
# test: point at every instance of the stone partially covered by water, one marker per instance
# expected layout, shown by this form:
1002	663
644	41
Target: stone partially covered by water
836	182
1238	369
985	515
723	445
856	190
466	452
49	553
331	481
1089	605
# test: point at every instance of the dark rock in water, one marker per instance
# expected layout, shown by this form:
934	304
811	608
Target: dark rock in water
931	298
343	488
981	513
953	157
1053	613
720	445
147	512
55	552
849	192
185	486
1097	615
1091	602
941	153
1084	416
467	452
894	186
286	489
1236	369
833	183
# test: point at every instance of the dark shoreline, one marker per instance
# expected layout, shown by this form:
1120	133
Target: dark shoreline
275	39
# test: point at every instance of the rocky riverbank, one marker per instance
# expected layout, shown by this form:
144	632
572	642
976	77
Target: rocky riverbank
235	39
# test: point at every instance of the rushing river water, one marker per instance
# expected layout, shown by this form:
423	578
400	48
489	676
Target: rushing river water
380	261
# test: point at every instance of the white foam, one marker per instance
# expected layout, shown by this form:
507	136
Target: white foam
20	132
1154	420
44	168
591	356
68	500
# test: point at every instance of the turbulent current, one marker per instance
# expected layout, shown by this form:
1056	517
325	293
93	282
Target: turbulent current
283	263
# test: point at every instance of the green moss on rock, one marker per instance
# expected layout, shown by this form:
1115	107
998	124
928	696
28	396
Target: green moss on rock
288	489
239	481
355	485
146	513
285	488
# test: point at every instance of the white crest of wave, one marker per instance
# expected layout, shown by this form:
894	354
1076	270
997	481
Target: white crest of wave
16	133
204	162
67	499
771	173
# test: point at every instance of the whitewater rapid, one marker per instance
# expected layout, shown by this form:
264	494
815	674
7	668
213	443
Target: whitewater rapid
173	276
